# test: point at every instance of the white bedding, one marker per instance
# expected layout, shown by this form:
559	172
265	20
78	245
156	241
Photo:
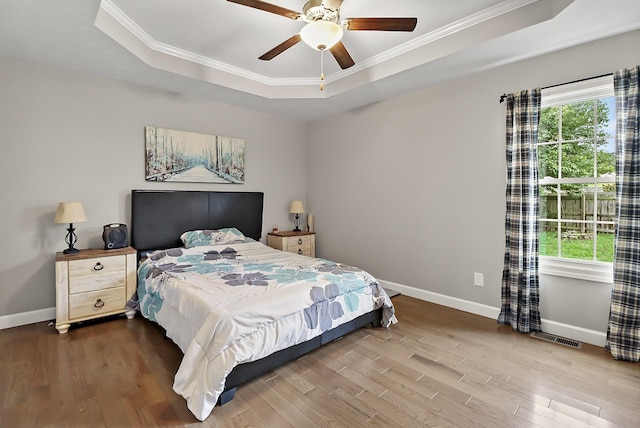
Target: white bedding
224	305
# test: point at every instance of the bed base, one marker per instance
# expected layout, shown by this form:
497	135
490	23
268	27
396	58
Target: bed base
248	371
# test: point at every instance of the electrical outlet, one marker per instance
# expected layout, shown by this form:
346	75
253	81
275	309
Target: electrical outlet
478	279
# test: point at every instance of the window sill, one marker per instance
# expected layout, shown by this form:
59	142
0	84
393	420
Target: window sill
577	269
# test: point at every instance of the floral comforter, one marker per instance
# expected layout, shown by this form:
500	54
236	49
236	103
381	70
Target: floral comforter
229	304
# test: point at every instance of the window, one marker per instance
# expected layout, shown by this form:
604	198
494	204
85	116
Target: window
576	175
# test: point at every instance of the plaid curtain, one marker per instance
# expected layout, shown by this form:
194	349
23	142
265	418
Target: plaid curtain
520	283
623	332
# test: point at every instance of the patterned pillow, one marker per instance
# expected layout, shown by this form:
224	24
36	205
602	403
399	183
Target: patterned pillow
196	238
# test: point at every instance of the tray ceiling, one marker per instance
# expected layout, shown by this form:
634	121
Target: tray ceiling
210	48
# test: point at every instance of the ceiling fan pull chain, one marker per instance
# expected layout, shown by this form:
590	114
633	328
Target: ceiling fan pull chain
322	69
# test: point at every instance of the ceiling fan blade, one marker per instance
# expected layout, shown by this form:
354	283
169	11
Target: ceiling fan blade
341	55
281	48
268	7
380	24
332	4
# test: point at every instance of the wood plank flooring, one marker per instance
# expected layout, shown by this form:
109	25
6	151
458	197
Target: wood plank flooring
436	367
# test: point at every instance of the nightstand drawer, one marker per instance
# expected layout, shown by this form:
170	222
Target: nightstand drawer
299	245
97	302
97	274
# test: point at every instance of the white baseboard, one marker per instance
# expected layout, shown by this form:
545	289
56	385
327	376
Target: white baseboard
24	318
593	337
565	330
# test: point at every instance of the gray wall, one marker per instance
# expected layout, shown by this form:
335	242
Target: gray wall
71	136
412	189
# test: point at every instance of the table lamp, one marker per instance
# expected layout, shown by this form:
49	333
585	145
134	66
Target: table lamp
70	212
297	208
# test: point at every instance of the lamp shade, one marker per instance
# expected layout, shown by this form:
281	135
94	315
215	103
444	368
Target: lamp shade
321	35
297	207
70	212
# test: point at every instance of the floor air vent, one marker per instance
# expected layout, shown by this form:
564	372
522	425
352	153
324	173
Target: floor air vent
557	339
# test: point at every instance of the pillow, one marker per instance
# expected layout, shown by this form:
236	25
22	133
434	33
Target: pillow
196	238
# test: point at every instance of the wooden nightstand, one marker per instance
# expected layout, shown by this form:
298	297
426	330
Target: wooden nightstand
93	284
303	243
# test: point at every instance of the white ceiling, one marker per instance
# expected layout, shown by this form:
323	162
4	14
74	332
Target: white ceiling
210	48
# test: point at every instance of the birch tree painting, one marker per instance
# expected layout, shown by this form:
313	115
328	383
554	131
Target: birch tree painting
191	157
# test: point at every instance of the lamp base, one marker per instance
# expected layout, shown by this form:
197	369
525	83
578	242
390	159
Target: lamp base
71	239
296	223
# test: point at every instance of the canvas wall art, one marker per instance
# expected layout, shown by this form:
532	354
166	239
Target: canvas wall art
173	155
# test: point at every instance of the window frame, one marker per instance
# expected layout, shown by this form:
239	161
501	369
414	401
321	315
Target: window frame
586	90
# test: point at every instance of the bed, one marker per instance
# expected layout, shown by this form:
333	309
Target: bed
234	306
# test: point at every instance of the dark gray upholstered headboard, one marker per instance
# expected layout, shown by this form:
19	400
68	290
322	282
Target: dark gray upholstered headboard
159	217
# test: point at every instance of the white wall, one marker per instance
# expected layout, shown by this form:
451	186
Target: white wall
71	136
412	189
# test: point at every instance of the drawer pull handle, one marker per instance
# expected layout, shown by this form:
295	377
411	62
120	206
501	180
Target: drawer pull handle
299	241
98	266
98	304
299	250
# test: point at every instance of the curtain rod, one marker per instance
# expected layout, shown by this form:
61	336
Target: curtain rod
504	96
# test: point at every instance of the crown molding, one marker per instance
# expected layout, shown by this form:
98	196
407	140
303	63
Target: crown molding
128	24
120	27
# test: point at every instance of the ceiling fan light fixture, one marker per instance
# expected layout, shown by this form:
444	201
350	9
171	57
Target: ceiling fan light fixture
321	35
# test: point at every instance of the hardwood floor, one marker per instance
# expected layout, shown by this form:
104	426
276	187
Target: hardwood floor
436	367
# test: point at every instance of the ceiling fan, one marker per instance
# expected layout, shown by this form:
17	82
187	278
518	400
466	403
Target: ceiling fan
323	29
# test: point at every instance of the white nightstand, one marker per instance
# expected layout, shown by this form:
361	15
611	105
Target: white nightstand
303	243
93	284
